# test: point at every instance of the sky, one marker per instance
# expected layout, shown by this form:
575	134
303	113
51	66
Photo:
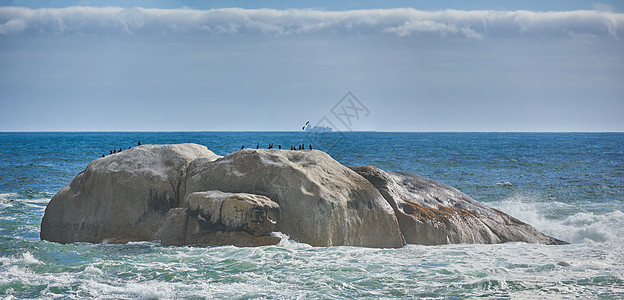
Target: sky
271	66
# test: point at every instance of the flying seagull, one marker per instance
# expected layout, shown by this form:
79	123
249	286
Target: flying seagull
306	125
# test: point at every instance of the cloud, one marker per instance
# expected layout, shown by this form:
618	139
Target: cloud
401	22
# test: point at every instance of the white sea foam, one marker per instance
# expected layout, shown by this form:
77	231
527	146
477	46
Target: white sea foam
286	242
7	196
37	201
8	199
530	271
25	259
92	270
28	258
564	221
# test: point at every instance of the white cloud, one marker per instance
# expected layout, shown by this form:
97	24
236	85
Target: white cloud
11	27
402	22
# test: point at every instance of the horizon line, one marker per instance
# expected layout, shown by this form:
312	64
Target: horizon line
290	131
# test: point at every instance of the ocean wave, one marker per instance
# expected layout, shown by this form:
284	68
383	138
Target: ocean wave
10	205
26	195
25	259
571	223
295	270
8	196
287	243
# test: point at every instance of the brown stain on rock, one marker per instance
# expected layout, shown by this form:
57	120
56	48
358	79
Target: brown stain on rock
441	214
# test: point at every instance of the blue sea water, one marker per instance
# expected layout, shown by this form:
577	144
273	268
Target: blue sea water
568	185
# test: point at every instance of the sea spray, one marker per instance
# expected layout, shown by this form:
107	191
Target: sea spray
565	221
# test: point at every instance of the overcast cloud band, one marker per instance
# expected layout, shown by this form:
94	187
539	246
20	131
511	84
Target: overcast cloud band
402	22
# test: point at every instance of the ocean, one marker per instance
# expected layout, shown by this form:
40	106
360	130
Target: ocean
567	185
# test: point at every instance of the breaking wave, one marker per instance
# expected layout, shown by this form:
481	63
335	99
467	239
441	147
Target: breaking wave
572	223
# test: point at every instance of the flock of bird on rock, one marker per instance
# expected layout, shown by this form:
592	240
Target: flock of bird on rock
300	147
120	149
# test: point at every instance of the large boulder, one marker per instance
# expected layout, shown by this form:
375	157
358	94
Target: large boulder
322	202
185	194
432	213
121	197
255	214
218	218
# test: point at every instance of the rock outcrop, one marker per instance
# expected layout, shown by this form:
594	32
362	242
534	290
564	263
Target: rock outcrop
433	213
185	194
122	197
218	218
322	202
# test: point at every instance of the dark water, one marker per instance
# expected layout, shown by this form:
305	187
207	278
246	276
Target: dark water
569	185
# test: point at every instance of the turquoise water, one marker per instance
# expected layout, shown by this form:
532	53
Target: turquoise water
568	185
